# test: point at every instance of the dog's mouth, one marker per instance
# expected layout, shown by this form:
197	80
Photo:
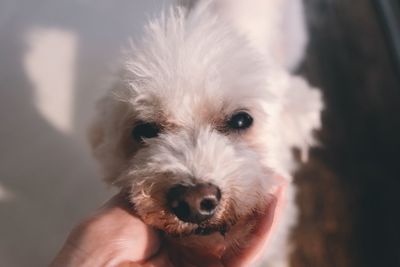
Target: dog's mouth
246	236
262	216
155	210
226	235
204	230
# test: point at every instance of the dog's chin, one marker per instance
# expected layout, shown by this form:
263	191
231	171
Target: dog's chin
230	238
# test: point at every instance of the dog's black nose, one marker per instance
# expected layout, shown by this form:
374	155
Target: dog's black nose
195	203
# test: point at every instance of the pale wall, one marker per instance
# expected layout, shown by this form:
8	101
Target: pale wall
55	60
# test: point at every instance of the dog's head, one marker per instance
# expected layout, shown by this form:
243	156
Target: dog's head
189	127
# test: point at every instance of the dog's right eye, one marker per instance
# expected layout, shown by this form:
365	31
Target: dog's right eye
240	121
145	130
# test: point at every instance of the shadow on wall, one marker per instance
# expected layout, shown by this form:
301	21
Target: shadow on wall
55	57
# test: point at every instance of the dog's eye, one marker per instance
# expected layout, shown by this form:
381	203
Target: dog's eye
240	121
145	130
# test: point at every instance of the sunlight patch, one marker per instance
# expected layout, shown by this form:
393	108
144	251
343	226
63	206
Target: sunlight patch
50	64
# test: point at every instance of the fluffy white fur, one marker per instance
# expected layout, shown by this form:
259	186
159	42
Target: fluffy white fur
276	28
195	66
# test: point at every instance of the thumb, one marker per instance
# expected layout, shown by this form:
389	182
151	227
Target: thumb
258	238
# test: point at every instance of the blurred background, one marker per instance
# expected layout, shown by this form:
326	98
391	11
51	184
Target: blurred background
56	58
349	190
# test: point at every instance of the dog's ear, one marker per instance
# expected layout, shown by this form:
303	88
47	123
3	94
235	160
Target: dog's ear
109	110
106	131
97	138
301	114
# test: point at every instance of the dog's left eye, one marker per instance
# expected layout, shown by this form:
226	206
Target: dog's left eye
145	130
240	121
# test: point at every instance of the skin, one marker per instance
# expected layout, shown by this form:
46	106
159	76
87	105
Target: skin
115	237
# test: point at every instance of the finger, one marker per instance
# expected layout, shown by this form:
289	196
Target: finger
161	259
113	233
187	257
116	228
258	238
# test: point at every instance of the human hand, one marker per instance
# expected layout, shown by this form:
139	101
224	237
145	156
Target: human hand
115	237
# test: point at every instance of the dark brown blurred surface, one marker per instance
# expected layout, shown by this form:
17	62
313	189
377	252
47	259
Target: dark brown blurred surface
349	191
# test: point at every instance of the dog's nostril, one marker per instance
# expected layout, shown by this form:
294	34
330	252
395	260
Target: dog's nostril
181	209
208	205
193	203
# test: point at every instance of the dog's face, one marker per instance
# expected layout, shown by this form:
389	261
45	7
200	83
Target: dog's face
184	131
206	151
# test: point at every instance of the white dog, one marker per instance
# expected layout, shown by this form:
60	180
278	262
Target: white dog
201	122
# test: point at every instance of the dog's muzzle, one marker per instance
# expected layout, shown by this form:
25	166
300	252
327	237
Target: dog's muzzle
194	203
